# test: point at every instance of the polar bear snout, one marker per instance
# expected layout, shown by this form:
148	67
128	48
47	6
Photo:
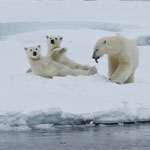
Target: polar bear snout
52	41
95	57
34	53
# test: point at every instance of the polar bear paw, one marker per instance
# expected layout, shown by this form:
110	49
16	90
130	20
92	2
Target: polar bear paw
85	67
58	52
62	50
118	81
92	70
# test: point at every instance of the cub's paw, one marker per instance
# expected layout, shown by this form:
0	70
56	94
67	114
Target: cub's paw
93	70
84	67
62	50
58	52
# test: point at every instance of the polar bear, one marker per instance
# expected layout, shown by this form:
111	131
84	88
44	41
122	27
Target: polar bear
45	66
55	42
123	57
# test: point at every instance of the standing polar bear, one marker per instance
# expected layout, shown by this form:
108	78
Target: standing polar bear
54	42
45	66
123	57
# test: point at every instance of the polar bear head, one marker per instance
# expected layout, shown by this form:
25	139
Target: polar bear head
33	52
107	45
100	49
53	41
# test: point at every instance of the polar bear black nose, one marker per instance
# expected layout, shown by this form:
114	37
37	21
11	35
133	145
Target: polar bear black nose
93	55
52	42
34	53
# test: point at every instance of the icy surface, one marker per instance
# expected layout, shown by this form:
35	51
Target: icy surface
29	102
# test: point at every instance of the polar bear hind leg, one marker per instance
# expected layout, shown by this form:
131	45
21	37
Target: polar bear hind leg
76	72
73	65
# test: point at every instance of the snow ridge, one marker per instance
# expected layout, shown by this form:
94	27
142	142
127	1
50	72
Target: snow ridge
20	27
7	29
49	119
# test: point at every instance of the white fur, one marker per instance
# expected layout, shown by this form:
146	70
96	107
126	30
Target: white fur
63	59
123	57
45	66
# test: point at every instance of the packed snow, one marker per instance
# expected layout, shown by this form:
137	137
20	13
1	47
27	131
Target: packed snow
29	102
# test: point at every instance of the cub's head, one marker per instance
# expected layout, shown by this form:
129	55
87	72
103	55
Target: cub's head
100	49
54	41
33	52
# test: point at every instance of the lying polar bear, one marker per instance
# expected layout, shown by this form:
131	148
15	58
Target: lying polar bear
55	42
123	57
45	66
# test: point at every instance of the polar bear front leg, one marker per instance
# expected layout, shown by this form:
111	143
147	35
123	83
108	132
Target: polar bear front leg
130	79
112	65
122	73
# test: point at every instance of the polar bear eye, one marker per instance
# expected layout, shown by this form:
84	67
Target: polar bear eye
30	49
55	38
36	49
50	38
96	50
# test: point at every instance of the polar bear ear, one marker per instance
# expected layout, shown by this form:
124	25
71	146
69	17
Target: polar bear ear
47	36
25	48
104	42
39	46
61	38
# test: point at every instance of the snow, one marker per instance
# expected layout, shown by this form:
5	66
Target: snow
29	102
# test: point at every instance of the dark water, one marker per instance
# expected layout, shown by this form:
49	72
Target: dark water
136	0
127	137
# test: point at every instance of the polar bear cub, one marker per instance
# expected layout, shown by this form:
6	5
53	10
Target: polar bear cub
45	66
55	42
123	57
